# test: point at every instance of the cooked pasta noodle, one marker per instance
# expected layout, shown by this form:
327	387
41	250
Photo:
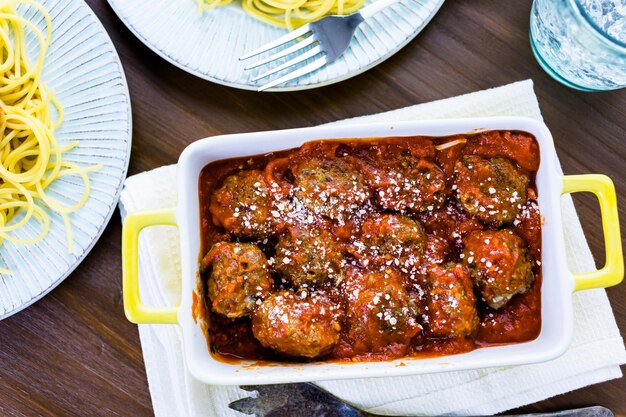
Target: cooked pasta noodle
30	157
211	4
289	14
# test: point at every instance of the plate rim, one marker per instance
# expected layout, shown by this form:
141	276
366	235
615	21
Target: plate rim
249	87
113	207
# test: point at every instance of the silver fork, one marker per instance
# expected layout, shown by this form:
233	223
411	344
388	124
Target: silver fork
329	38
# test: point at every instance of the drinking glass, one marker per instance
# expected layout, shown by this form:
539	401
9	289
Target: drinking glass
581	43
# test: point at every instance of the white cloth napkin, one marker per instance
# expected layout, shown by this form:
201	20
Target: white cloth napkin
594	356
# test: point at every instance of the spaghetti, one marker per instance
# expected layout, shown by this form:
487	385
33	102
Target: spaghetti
30	157
211	4
289	14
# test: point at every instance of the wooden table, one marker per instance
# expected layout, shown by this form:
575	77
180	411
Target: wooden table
74	352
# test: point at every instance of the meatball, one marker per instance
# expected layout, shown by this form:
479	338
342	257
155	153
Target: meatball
437	251
450	222
297	325
415	281
493	190
380	312
500	265
329	187
451	302
520	147
391	240
243	205
308	257
238	278
412	185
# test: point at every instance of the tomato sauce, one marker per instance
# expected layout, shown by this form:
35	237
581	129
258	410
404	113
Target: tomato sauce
445	224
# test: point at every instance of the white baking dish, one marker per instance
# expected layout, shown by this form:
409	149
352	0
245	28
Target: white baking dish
558	281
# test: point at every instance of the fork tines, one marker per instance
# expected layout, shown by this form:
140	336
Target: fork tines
309	40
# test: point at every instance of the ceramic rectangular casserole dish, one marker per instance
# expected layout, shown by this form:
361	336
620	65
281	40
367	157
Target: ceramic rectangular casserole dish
557	286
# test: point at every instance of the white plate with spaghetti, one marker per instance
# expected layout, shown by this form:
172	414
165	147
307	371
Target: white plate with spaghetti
64	145
208	43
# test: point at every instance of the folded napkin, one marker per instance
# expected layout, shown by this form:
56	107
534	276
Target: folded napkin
596	352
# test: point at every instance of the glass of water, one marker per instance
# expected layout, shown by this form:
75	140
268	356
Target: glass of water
581	43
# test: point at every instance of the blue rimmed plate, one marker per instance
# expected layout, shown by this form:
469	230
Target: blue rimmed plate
85	73
208	45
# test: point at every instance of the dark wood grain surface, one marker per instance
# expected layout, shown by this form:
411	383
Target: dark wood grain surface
74	353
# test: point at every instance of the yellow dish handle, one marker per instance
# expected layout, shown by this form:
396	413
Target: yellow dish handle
135	310
613	271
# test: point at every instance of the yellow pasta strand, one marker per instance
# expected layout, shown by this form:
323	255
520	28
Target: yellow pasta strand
211	4
288	14
30	157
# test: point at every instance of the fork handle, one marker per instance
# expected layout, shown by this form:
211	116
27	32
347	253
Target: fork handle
376	7
594	411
